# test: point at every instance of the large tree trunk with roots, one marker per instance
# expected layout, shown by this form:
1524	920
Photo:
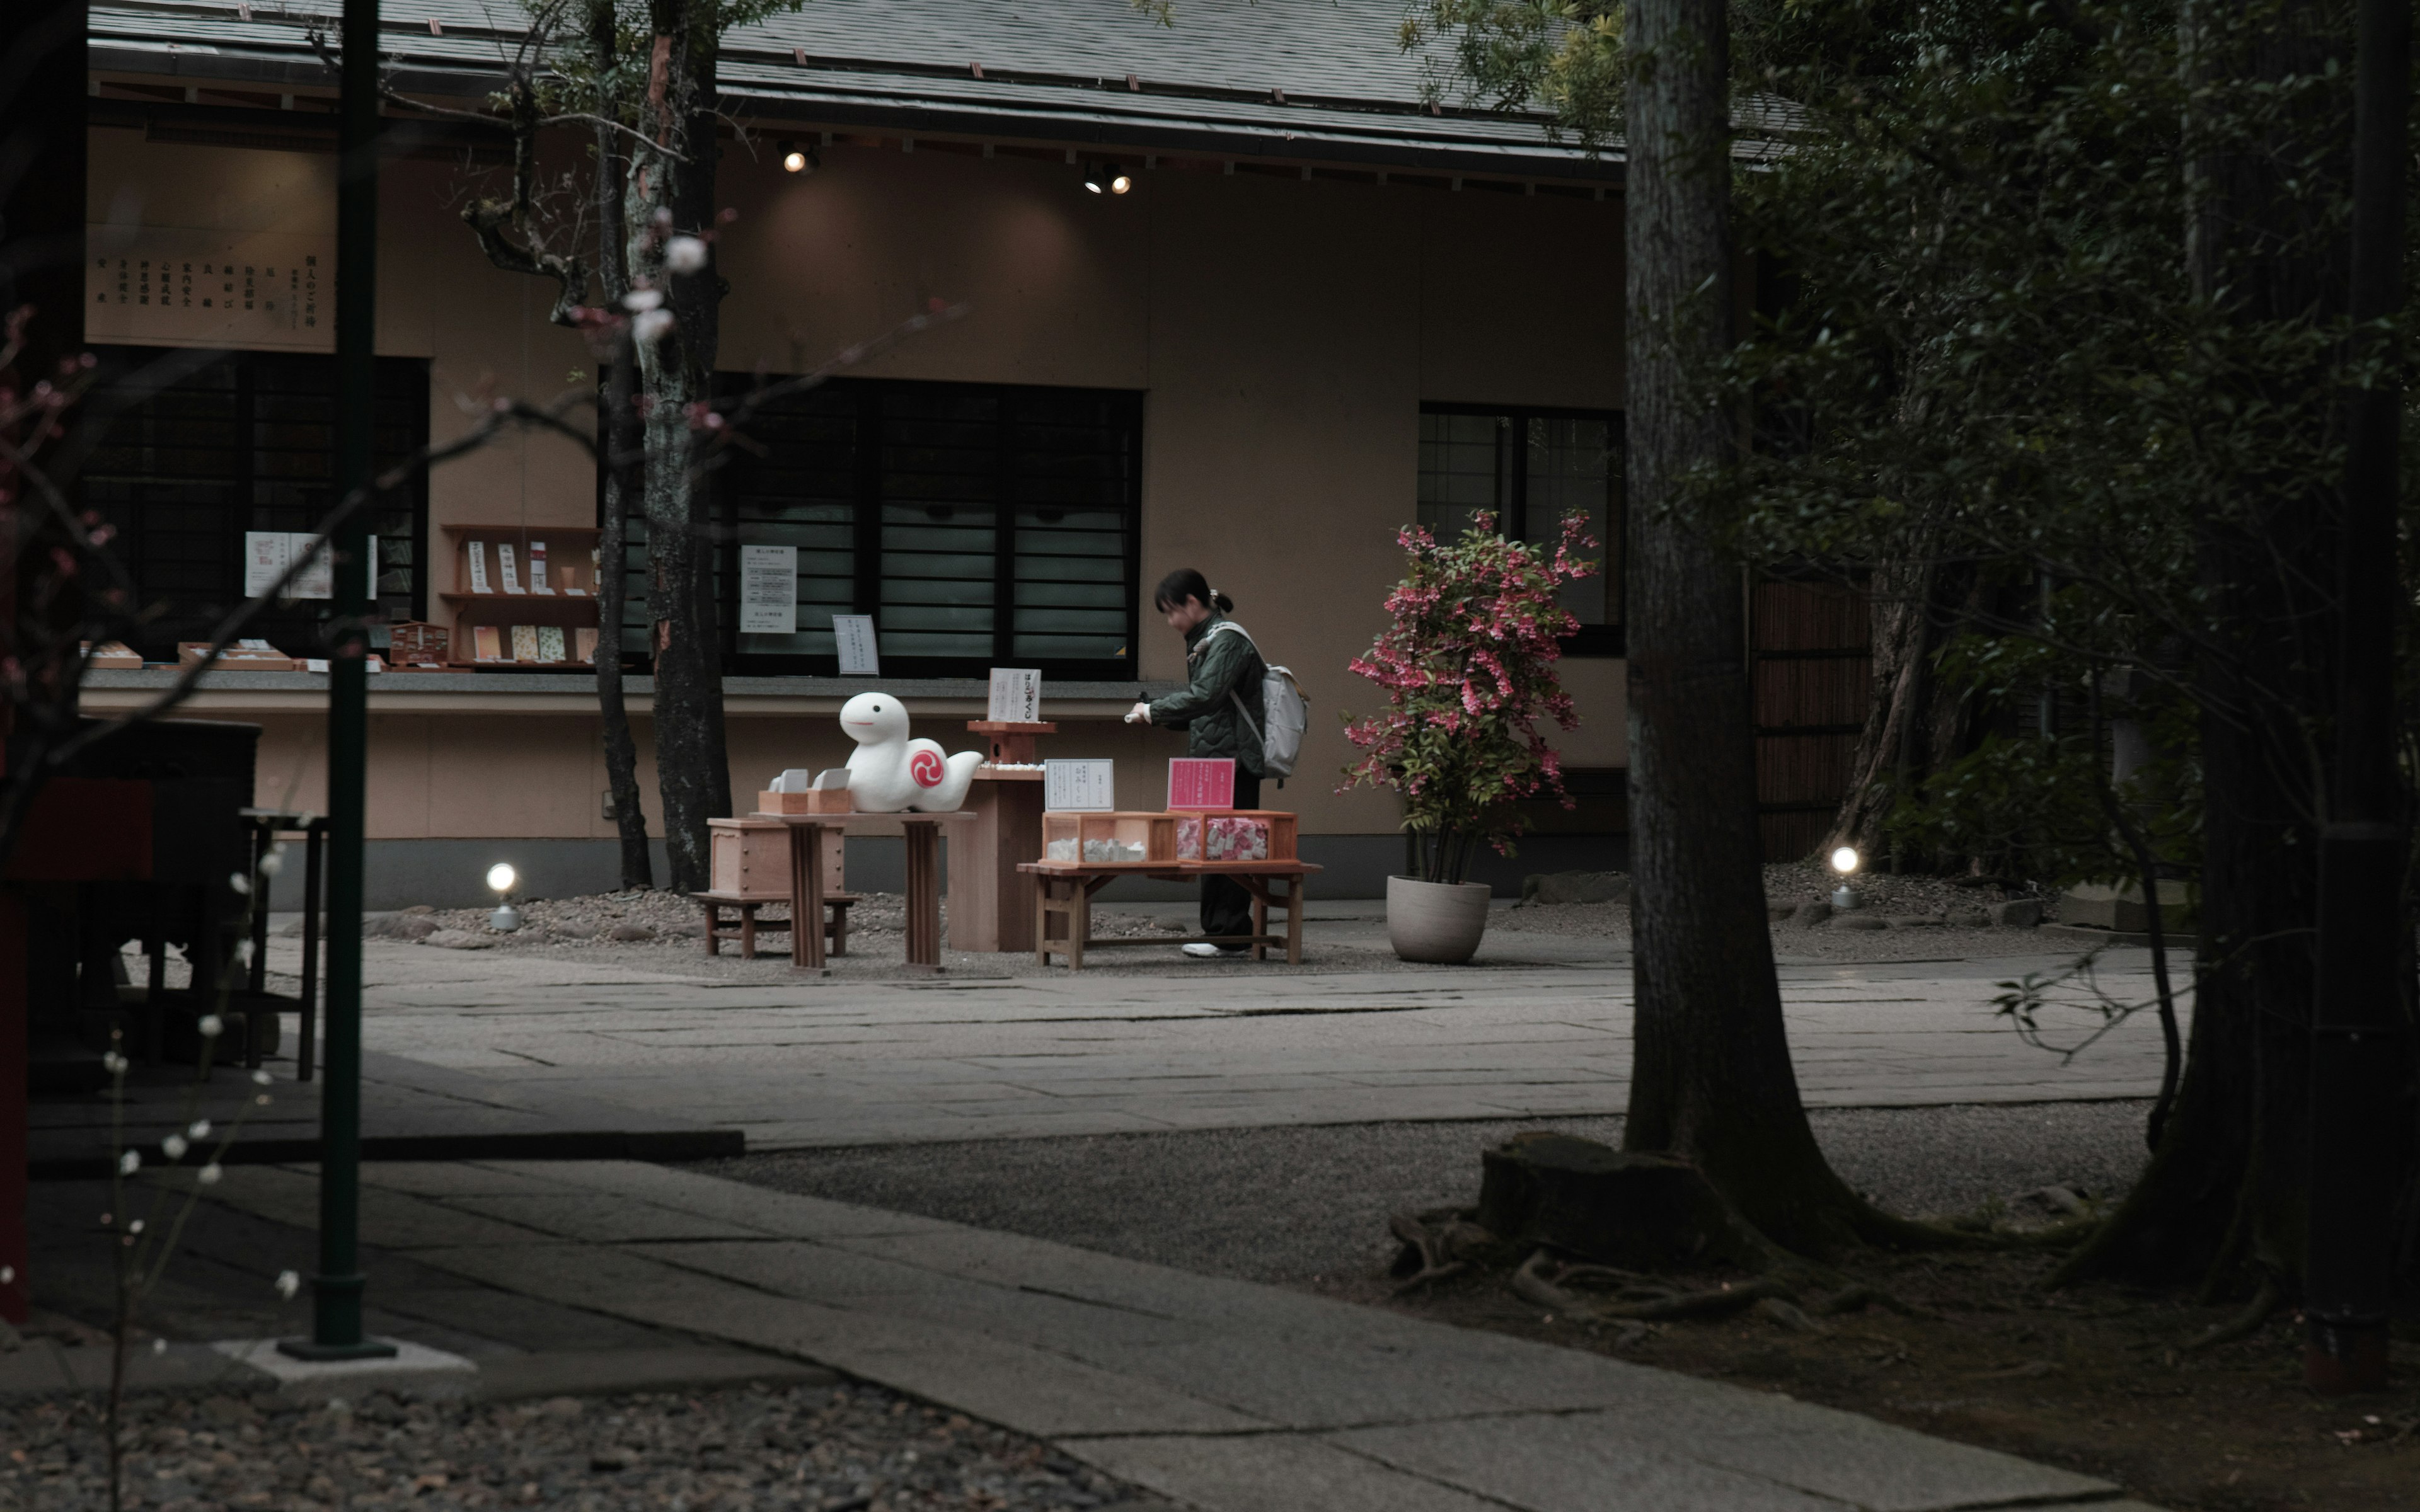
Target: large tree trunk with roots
1915	723
2222	1202
619	467
672	190
1712	1080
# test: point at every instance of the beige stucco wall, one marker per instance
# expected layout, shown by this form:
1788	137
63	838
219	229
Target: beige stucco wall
1285	334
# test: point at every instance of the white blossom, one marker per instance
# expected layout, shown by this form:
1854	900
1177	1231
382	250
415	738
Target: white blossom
684	255
7	1276
651	327
288	1284
640	300
209	1174
173	1147
159	1346
239	883
130	1162
212	1027
134	1228
260	1078
198	1128
244	952
273	862
114	1063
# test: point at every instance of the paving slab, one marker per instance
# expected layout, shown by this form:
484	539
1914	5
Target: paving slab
1218	1393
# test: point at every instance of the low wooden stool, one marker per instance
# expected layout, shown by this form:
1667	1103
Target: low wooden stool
744	929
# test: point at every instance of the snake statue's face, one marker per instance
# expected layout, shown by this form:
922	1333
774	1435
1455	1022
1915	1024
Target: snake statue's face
874	718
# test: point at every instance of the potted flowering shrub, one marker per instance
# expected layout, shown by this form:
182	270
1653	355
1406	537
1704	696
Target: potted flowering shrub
1468	669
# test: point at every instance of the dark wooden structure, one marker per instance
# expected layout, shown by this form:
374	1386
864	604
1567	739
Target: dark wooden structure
1810	655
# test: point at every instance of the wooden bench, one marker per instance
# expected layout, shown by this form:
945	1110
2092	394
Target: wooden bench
1063	896
744	929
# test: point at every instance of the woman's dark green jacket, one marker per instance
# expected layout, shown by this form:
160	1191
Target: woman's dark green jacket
1219	664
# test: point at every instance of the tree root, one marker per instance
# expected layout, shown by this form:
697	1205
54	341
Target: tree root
2262	1307
1639	1299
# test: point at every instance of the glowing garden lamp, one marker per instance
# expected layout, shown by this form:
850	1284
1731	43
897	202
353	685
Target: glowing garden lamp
503	879
1844	866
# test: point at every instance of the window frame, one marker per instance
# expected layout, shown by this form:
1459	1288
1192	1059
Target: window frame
1592	641
402	379
727	480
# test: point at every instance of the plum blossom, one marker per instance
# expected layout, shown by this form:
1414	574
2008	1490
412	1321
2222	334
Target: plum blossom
685	254
287	1283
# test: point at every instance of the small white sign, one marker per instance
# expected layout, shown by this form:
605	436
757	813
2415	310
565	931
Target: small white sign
859	656
478	554
317	578
265	556
769	590
537	568
1083	786
1015	695
504	565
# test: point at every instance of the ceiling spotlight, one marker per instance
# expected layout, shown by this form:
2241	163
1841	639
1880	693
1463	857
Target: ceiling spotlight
795	159
1105	179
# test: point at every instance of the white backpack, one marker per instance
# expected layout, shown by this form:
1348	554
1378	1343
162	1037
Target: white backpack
1282	701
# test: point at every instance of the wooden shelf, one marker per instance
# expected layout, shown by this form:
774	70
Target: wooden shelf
506	532
523	609
564	666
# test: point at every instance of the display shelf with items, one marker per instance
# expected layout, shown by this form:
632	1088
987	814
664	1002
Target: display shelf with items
1110	839
524	597
1236	835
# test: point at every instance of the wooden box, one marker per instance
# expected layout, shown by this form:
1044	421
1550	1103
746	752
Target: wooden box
1279	827
751	857
1114	839
419	644
815	801
114	656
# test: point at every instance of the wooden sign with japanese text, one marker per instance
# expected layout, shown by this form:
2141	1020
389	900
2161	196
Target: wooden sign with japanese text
179	286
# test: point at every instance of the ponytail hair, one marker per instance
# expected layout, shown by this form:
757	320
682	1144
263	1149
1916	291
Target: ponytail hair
1188	582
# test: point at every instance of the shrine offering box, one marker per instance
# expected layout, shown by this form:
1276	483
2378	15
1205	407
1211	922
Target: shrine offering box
815	801
1236	835
1112	839
751	857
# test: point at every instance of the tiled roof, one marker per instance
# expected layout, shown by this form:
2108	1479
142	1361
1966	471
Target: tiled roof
1319	81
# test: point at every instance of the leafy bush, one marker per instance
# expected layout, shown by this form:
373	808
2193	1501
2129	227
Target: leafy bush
1468	668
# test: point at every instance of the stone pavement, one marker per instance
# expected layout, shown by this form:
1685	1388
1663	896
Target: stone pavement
1544	1032
1224	1395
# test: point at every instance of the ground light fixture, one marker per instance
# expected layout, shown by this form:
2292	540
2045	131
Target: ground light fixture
1106	178
503	879
1844	866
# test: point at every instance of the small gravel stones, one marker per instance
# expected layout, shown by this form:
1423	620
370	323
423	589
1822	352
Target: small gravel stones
1813	912
2016	913
399	926
809	1448
1859	920
459	939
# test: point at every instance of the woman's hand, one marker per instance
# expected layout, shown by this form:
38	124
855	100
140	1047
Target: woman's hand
1139	714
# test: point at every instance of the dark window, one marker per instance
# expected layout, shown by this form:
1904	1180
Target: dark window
191	458
1531	468
978	524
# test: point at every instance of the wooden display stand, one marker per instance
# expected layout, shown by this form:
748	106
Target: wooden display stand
571	606
991	907
749	863
1062	905
1010	742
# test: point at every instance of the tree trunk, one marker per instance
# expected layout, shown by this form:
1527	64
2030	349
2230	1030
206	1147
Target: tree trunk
673	174
1713	1080
619	435
2222	1202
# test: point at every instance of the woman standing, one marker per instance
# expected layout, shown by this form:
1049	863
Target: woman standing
1220	712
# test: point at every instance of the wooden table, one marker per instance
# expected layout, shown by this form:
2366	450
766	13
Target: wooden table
923	832
1064	891
264	825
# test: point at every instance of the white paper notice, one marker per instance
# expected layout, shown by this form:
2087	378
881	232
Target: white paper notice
265	556
512	573
1079	786
317	578
537	568
1015	695
858	655
769	590
477	553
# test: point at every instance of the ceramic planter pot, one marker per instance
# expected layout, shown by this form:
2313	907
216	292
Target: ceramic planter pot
1436	921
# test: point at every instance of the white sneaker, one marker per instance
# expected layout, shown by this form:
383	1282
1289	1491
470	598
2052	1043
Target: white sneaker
1202	951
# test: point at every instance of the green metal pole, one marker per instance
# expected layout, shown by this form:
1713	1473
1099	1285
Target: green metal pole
336	1292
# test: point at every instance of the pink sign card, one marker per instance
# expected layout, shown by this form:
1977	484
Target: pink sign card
1200	782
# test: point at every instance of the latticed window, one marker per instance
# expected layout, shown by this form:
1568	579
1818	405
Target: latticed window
1531	468
195	448
978	524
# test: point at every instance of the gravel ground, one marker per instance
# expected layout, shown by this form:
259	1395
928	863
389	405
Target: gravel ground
1298	1205
819	1449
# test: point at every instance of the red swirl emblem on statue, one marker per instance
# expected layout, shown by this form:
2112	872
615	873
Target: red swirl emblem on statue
925	768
